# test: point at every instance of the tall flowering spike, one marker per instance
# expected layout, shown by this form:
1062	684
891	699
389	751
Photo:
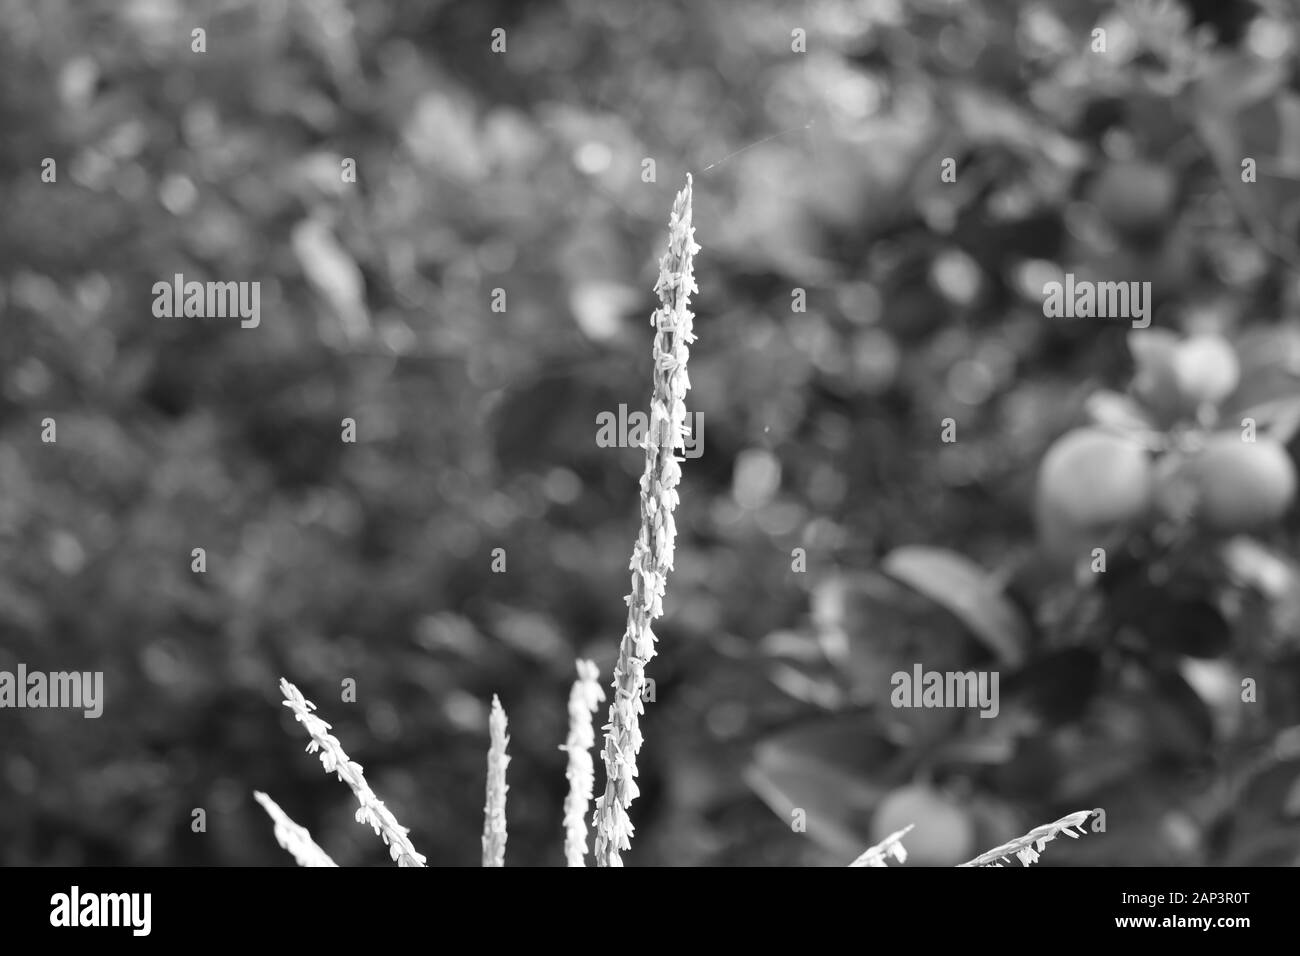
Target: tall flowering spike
890	846
652	556
372	810
291	836
581	774
494	810
1028	847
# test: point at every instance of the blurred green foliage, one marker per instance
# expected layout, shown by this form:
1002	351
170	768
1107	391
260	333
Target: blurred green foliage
523	171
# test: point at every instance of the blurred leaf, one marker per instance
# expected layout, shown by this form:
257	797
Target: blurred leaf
1180	625
838	808
986	116
1058	686
334	274
1238	114
1260	814
1180	724
1271	791
835	770
873	626
966	590
1116	411
812	689
1278	419
1252	564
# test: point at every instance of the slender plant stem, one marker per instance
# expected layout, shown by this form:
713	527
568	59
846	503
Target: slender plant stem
292	837
890	846
652	557
1028	847
332	757
494	808
581	774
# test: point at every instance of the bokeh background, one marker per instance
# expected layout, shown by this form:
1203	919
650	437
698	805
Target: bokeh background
523	170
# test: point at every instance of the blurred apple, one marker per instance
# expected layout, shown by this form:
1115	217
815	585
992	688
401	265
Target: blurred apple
1239	485
944	834
1206	369
1135	197
1091	483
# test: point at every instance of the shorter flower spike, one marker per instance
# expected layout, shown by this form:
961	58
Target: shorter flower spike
1028	847
494	810
332	757
291	836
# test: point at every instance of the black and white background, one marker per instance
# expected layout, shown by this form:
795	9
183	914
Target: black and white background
390	484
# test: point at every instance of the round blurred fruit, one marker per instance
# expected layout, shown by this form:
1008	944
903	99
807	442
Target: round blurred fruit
1135	197
944	834
1206	369
1239	485
1090	482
